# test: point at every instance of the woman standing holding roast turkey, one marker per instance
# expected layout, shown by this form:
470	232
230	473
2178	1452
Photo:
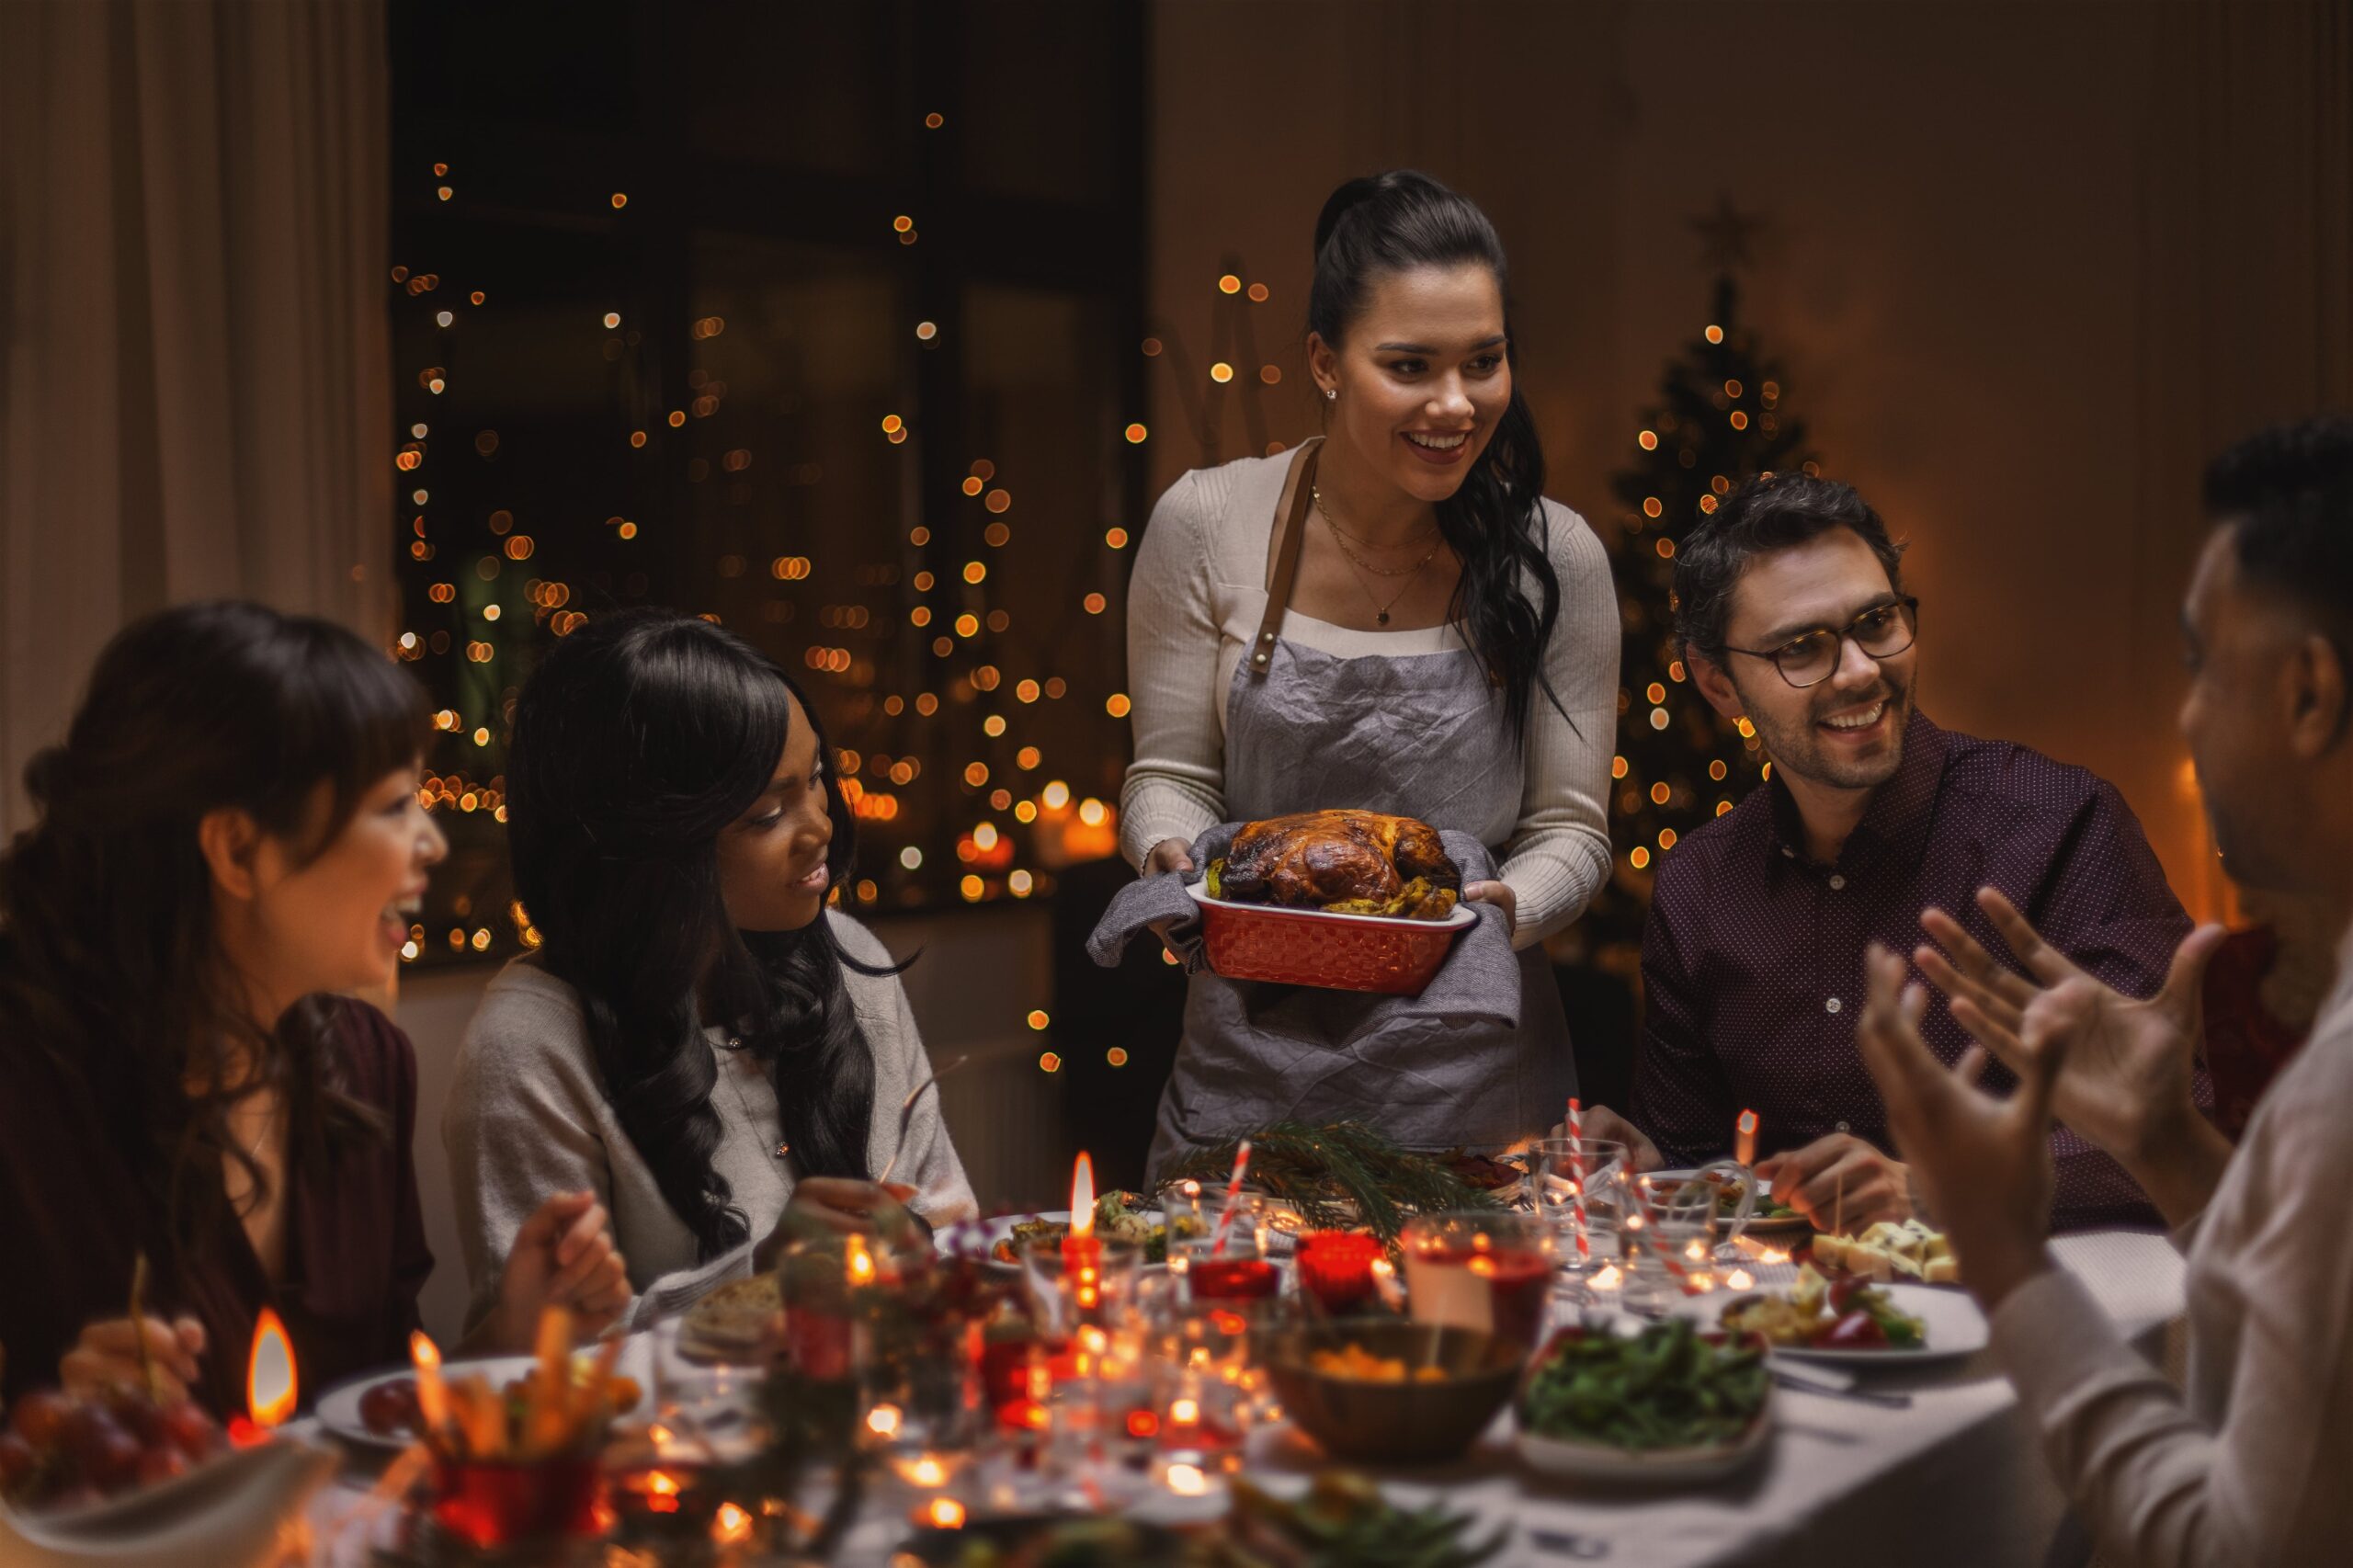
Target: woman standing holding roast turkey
1390	617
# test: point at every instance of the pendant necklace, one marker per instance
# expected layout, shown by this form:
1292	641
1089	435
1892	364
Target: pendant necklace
1360	566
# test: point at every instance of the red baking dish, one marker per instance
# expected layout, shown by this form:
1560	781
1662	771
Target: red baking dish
1339	952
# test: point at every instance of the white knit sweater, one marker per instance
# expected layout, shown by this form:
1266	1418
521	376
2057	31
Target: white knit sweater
1194	605
528	1117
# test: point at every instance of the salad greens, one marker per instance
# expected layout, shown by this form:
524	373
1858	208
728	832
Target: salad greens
1665	1388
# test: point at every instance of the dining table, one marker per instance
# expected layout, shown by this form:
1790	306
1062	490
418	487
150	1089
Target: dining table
1926	1465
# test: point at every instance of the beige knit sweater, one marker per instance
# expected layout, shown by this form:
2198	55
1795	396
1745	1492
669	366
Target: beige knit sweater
1198	593
527	1116
2248	1464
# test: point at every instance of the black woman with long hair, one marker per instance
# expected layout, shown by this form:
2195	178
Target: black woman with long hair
700	1040
1390	616
229	835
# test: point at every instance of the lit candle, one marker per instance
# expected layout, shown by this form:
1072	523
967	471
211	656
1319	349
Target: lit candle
1081	1253
1743	1143
271	1383
730	1526
432	1393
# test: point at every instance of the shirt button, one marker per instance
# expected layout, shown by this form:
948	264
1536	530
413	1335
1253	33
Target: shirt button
1837	881
1832	1005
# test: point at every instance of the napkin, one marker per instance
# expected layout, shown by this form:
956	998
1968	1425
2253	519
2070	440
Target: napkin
1480	978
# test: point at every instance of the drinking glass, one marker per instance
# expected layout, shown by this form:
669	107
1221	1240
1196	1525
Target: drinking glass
1484	1269
1580	1191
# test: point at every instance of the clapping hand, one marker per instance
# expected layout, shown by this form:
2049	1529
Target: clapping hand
2126	1081
1984	1163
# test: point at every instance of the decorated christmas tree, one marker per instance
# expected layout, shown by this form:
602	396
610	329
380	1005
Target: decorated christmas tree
1722	417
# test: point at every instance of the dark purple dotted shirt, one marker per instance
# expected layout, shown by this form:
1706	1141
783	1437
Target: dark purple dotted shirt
1753	959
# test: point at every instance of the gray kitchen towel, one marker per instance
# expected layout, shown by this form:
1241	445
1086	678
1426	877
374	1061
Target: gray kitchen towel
1480	980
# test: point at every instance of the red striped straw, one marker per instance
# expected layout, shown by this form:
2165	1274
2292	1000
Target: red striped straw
1657	1243
1232	1192
1576	1170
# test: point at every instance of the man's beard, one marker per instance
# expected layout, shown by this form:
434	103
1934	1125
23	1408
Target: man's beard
1798	748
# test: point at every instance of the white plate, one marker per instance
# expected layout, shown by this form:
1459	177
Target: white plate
1955	1328
1758	1225
1001	1230
1602	1463
338	1408
1461	915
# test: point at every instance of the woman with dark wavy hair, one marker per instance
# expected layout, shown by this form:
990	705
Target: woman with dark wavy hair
700	1040
1392	616
229	835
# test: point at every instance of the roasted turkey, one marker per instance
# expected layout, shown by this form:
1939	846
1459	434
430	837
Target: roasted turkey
1346	862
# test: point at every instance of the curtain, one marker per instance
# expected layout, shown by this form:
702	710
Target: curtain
196	401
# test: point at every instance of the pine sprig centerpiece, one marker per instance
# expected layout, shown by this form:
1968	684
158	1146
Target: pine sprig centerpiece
1336	1176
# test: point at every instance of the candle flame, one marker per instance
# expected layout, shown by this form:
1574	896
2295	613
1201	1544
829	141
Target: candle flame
1772	1255
944	1514
883	1420
1608	1279
860	1264
1741	1279
661	1492
730	1526
1187	1479
927	1470
270	1386
1082	1196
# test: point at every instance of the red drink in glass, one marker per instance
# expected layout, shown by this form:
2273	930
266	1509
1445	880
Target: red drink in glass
1517	1285
1492	1272
1234	1278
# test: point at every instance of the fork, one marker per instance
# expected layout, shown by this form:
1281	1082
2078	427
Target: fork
907	1111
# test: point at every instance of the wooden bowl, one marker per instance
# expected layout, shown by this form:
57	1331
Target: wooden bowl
1395	1423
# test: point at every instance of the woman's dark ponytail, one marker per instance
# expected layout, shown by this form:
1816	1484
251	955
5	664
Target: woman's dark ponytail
1508	596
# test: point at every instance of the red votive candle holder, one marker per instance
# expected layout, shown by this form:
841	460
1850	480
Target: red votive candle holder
491	1505
1335	1266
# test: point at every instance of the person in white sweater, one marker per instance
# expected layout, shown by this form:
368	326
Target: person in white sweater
699	1041
1437	640
2244	1466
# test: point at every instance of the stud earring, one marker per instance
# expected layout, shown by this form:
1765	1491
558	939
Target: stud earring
1331	394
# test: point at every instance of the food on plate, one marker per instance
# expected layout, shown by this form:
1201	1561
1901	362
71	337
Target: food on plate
1727	1187
1343	1518
1344	862
1478	1170
1823	1314
1668	1387
1119	1216
390	1409
740	1316
1892	1249
1355	1361
66	1451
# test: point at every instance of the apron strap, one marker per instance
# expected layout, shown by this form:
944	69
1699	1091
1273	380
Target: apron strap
1290	516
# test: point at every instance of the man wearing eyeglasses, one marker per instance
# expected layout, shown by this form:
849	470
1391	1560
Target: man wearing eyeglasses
1792	614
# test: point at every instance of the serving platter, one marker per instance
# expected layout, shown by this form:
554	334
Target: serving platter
1641	1467
1954	1325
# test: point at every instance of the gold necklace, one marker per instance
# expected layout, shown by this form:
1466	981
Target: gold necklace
1381	611
1334	524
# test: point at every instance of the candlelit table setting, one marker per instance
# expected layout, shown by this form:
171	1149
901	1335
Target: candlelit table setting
1555	1381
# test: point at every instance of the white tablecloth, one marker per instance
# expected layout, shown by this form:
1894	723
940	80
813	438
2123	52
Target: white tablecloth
1954	1478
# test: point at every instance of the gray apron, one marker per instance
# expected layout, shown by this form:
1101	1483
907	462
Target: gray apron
1419	735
